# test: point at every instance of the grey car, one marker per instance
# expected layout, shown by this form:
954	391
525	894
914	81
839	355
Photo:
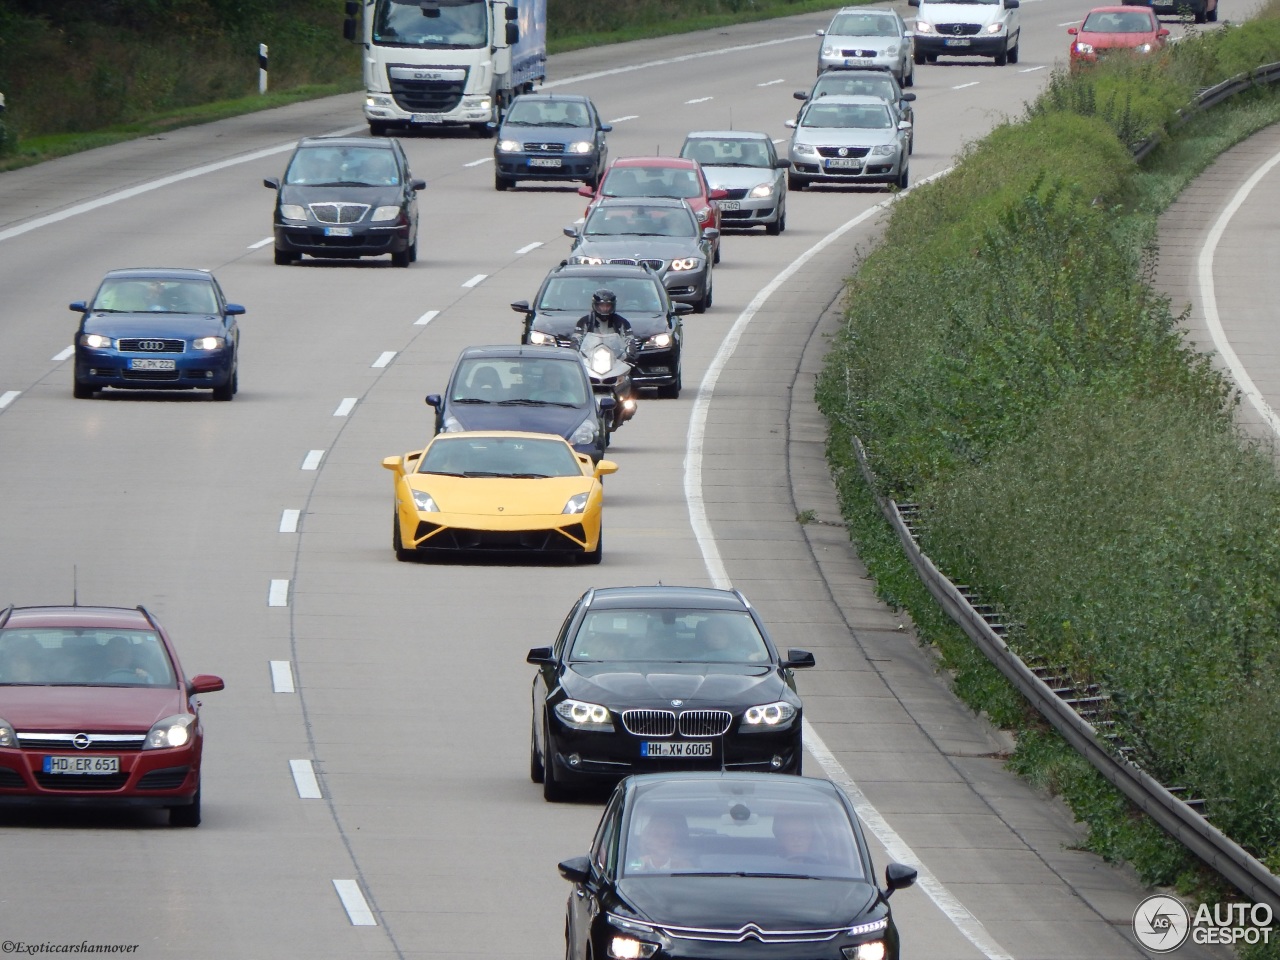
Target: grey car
746	166
868	83
661	232
849	140
869	37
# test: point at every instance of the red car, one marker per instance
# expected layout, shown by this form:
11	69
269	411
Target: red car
676	177
95	709
1109	29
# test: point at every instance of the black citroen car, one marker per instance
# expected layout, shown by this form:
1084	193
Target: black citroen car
718	865
658	678
345	198
565	297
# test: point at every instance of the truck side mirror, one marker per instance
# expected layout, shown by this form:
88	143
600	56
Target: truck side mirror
513	31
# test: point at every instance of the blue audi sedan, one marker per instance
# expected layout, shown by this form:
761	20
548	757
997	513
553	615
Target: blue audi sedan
157	329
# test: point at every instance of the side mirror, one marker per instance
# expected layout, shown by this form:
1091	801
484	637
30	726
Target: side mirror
540	655
710	233
522	306
801	95
1073	30
790	124
607	404
819	33
606	128
908	96
271	182
904	124
1011	4
512	12
204	683
235	310
349	29
577	870
586	191
513	29
797	659
782	164
606	467
913	3
682	308
897	876
78	307
418	184
571	233
394	464
1162	32
433	400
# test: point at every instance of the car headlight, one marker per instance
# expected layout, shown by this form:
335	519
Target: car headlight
1084	47
293	211
379	101
685	263
544	339
629	948
704	214
875	950
593	261
922	27
803	150
172	731
451	424
383	214
995	28
96	341
7	737
659	341
209	343
891	51
1143	48
509	146
828	51
577	503
585	716
884	150
423	502
584	433
760	191
769	714
581	146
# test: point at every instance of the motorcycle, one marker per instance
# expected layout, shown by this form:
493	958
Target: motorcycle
608	359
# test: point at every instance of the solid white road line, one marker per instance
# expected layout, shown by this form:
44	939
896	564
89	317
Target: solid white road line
528	247
426	318
312	460
346	406
278	594
963	85
384	358
475	281
289	521
282	676
261	243
304	778
8	397
64	354
629	116
353	900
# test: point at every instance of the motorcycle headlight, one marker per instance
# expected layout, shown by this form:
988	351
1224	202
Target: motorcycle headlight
293	211
383	214
768	715
209	343
577	503
760	191
685	263
585	716
601	360
509	146
422	500
584	433
544	339
96	341
581	146
659	341
175	731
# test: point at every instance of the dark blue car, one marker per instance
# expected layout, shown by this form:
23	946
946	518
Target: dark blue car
550	136
527	388
157	329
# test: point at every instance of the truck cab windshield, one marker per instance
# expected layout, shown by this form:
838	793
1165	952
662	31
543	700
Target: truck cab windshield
434	24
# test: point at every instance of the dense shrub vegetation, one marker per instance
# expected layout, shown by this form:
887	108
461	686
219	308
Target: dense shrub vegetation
1010	368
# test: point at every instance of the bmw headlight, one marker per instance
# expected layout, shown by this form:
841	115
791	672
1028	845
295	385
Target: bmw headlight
293	211
422	500
96	341
629	948
451	425
7	737
685	263
581	146
884	150
577	503
581	258
775	714
922	27
383	214
659	341
509	146
209	343
585	716
175	731
584	433
544	339
760	191
995	27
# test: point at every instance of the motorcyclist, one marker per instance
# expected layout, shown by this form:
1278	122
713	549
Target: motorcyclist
604	317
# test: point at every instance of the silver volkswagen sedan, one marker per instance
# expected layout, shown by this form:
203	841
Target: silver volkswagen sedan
848	140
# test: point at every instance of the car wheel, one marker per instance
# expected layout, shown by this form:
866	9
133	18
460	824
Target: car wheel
1013	52
500	182
235	379
909	78
188	816
1002	58
225	392
901	182
672	390
593	557
400	259
284	257
81	391
715	254
911	144
535	758
796	183
413	250
403	555
553	791
779	224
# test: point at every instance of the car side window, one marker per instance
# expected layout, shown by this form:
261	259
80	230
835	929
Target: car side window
558	649
604	848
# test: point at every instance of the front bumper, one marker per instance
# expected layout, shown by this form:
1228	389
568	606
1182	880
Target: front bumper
523	166
744	211
192	370
873	170
147	778
883	61
978	45
319	240
656	368
687	286
460	533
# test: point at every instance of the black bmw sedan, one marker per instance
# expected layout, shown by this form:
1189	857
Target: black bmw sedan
661	678
720	865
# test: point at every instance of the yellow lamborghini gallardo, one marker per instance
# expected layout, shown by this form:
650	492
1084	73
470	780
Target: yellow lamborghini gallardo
498	491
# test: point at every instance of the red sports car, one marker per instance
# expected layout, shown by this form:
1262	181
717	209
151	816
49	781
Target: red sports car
676	177
95	709
1110	29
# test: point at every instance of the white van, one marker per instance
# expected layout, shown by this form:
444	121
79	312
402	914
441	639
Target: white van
967	28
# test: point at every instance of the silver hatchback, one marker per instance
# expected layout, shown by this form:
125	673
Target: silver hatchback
869	37
746	166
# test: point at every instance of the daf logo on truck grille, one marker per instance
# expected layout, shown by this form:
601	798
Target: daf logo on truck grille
423	75
150	344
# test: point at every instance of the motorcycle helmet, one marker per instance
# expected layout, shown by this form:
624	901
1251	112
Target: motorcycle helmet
604	302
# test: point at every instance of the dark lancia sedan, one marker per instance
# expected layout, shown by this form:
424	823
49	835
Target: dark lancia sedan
721	865
656	678
95	709
346	197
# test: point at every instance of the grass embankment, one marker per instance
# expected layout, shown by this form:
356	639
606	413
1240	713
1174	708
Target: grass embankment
1010	368
82	75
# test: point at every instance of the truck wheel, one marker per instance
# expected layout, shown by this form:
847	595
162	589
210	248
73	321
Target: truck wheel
378	128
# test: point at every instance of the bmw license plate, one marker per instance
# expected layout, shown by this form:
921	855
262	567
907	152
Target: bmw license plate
544	161
844	163
426	118
696	748
956	42
337	231
80	765
145	363
730	204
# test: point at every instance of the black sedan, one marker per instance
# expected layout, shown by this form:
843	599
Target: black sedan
344	198
720	865
565	297
550	136
661	678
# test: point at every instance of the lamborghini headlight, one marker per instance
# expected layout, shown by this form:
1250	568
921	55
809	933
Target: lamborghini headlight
577	503
422	500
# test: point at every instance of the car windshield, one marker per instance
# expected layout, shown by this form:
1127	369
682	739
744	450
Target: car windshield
155	295
520	381
439	25
524	457
672	635
724	827
342	166
727	153
862	25
833	84
847	116
1118	22
635	294
613	221
55	656
547	113
679	182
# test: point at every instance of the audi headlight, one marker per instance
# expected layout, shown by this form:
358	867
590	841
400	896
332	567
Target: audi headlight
509	146
293	211
96	341
584	433
685	263
585	716
659	341
884	150
451	425
577	503
544	339
175	731
7	737
581	146
760	191
422	500
593	261
209	343
601	360
774	714
922	27
995	28
383	214
629	948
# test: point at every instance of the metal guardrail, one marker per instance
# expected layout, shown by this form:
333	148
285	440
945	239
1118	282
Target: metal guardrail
1178	818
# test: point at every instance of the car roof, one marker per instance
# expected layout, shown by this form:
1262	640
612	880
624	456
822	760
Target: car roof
681	162
882	11
518	350
367	142
167	273
727	135
648	201
560	97
499	435
639	271
736	776
1127	8
859	99
662	596
114	618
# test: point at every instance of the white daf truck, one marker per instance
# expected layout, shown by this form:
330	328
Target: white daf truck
434	63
